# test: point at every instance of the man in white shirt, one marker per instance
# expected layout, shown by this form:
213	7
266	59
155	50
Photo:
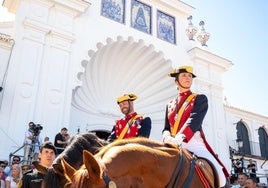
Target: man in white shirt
29	136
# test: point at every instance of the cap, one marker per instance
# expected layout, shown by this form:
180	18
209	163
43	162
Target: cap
125	97
182	69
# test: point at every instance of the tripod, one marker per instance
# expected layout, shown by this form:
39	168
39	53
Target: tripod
31	150
35	148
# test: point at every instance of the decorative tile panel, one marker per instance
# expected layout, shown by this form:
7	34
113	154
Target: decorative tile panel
141	16
166	27
113	9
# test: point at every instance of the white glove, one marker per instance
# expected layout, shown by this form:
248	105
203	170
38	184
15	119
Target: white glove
169	139
179	138
165	134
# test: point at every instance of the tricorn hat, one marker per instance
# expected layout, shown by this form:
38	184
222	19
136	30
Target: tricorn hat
182	69
126	97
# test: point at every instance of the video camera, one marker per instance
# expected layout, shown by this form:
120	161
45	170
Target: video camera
36	128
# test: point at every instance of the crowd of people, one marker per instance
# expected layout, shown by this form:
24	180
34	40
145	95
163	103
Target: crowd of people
183	127
244	176
21	172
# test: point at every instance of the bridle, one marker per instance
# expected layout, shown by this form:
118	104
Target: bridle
108	182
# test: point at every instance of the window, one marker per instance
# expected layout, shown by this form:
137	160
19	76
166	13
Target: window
263	140
242	133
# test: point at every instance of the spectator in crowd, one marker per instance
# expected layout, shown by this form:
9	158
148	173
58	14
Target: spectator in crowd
4	165
29	137
242	178
26	168
13	180
34	178
251	183
251	169
237	165
60	142
46	139
2	178
67	138
233	180
15	160
133	124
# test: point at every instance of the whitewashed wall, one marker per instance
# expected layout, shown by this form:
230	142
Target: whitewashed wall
65	48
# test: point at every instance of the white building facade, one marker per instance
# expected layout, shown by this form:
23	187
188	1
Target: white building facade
64	63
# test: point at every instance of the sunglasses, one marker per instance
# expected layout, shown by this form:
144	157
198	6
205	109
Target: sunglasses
17	160
3	166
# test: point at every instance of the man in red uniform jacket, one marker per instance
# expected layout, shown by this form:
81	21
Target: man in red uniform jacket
133	124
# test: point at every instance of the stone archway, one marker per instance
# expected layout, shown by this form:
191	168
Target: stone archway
119	67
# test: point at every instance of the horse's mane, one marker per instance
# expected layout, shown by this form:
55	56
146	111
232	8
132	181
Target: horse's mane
137	140
74	151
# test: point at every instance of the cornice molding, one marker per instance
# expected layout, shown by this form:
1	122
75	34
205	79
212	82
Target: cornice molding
197	53
79	6
246	113
176	6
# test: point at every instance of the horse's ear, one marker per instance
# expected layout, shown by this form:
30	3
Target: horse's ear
68	169
42	169
58	169
91	164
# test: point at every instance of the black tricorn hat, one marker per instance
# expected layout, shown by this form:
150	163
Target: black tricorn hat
182	69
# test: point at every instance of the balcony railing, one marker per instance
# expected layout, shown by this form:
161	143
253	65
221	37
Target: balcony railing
255	150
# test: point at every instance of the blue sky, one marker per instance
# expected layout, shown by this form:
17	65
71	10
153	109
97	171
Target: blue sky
239	33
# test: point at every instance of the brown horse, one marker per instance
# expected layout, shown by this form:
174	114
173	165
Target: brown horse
138	163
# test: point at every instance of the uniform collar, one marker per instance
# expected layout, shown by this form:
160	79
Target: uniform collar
131	115
186	93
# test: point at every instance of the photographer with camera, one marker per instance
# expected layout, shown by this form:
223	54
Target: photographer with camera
32	142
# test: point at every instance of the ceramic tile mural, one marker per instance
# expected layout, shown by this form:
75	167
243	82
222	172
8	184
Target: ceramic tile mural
113	9
166	27
141	16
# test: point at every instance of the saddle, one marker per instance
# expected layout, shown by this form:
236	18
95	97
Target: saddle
205	169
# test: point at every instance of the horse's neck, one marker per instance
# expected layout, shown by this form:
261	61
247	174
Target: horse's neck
139	163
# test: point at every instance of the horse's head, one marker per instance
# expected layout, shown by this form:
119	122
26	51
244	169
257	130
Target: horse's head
72	155
88	176
54	176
